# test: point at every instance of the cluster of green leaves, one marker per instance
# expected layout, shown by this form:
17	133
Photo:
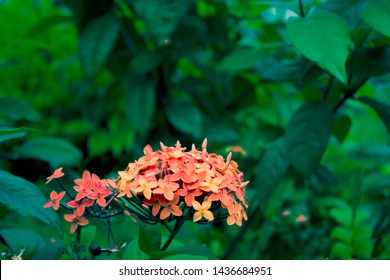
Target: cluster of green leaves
299	85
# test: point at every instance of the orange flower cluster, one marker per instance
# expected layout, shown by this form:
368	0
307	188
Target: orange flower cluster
90	191
170	181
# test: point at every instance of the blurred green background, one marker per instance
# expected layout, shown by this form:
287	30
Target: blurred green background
87	84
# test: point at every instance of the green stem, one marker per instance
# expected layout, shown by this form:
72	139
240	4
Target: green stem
78	234
328	87
301	11
349	94
179	223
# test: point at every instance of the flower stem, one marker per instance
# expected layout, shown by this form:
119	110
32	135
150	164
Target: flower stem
179	223
301	11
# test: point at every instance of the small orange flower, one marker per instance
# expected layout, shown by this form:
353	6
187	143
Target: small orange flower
76	221
146	187
166	189
236	149
56	174
301	218
54	200
202	210
170	207
286	212
80	205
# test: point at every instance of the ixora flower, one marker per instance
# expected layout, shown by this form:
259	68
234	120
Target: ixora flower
162	186
171	183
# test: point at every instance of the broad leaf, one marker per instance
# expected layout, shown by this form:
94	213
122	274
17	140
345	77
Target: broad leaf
184	115
133	252
324	38
58	152
12	133
26	199
46	23
149	237
96	42
145	61
307	135
376	13
239	59
273	165
370	62
19	240
51	251
341	127
344	234
17	109
383	110
140	104
192	252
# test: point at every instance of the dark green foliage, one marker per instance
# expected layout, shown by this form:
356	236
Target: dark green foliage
299	93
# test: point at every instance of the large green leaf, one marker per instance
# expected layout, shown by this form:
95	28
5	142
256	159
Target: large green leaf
19	240
370	62
12	133
324	38
383	110
17	109
190	252
96	42
140	104
273	165
184	115
307	135
149	237
26	199
133	252
341	127
58	152
239	59
376	13
161	16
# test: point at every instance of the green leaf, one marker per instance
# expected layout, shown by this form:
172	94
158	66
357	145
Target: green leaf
145	61
342	233
99	143
140	104
18	240
307	135
184	115
341	127
149	237
13	133
26	199
363	249
239	59
376	13
190	252
370	62
46	23
161	16
88	234
324	38
97	41
183	257
133	252
342	250
50	252
272	166
18	109
277	4
58	152
383	110
345	216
